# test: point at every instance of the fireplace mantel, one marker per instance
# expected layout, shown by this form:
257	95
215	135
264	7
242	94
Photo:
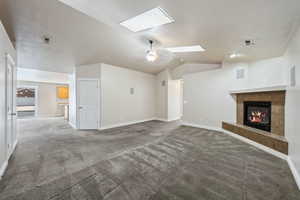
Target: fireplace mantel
261	89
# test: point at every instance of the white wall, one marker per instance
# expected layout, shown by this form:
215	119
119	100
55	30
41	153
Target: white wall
209	102
188	68
24	74
267	72
207	99
5	47
292	125
162	95
206	94
119	106
174	100
72	100
47	101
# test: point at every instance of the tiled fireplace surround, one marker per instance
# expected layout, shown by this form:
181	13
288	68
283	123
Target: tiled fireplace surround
274	139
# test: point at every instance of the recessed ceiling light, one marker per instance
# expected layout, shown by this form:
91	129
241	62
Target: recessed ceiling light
149	19
195	48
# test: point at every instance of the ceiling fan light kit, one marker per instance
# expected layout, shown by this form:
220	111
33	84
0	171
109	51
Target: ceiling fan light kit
151	54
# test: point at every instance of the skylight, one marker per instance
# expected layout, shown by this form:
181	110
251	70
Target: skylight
147	20
195	48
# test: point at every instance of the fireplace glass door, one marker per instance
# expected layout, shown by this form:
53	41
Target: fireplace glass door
258	115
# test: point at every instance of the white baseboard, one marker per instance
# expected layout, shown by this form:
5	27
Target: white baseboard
260	146
167	120
202	126
294	171
161	119
5	164
72	125
125	124
3	168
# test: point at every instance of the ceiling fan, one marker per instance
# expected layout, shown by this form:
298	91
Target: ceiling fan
151	55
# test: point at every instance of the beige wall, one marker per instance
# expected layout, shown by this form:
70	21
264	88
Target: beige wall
47	101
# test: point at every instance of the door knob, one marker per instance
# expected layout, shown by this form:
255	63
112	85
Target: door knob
80	107
13	114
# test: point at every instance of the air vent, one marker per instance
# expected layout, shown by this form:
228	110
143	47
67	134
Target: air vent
46	39
240	73
249	43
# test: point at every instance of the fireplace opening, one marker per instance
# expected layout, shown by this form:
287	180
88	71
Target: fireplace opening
258	115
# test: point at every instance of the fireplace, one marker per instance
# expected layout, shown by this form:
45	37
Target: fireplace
257	114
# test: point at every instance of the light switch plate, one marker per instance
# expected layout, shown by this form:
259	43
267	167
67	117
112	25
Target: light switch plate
293	76
132	91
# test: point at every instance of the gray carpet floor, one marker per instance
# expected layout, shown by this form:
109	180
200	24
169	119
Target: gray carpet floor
152	160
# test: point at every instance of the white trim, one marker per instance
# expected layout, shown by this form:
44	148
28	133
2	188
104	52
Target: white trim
5	164
263	89
167	120
8	56
126	124
260	146
201	126
294	171
161	119
3	168
174	119
72	125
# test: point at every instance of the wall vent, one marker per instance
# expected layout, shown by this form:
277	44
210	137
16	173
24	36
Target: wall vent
240	73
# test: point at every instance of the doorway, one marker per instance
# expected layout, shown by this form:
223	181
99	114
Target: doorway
26	101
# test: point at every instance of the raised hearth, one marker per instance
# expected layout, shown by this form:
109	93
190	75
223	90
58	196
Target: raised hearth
260	117
270	140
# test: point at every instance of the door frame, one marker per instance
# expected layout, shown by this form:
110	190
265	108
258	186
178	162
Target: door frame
9	60
98	104
35	98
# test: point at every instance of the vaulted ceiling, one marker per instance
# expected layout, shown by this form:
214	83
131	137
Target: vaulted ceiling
86	32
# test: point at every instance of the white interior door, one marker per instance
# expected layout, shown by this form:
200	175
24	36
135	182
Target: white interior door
10	111
88	108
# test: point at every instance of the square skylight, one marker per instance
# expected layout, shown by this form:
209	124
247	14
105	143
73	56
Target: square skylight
147	20
195	48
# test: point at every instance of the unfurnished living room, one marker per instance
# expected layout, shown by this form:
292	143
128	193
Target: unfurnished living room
149	100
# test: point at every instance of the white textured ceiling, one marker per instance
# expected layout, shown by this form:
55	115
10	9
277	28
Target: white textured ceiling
88	31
